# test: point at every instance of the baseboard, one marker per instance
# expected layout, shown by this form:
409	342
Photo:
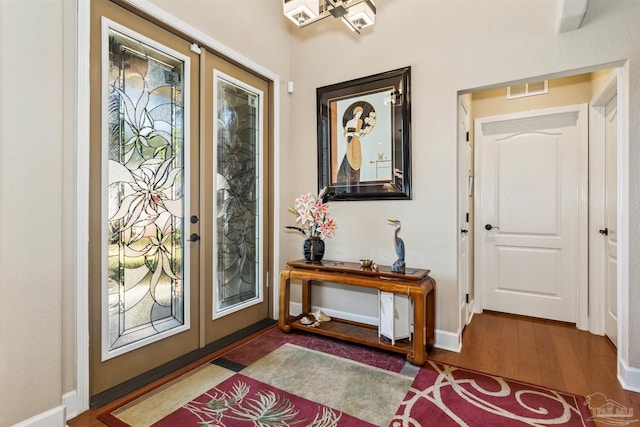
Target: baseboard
52	418
628	376
70	402
296	308
448	340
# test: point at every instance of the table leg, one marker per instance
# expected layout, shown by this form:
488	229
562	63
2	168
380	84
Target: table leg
285	298
419	355
306	297
431	317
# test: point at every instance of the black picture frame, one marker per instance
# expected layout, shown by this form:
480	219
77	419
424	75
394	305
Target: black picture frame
364	137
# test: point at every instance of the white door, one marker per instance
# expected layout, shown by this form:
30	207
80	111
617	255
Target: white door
610	232
531	177
464	174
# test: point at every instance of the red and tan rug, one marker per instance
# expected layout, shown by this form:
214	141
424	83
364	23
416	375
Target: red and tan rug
299	379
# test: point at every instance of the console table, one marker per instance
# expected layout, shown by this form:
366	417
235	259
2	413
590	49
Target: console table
415	283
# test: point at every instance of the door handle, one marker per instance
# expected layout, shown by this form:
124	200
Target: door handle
194	219
193	238
490	227
604	232
463	231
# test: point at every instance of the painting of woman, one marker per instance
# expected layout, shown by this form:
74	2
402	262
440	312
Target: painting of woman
357	121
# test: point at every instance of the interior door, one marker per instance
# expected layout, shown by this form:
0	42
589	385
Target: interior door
464	193
610	232
531	173
179	199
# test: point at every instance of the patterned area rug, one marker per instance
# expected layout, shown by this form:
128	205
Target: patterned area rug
300	379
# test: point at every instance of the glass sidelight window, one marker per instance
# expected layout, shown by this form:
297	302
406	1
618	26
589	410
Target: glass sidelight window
144	190
239	201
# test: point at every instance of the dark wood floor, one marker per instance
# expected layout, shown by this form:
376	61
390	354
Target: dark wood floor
551	354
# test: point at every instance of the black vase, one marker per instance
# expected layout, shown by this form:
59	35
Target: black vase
313	249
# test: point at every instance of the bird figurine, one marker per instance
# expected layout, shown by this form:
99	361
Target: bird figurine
398	265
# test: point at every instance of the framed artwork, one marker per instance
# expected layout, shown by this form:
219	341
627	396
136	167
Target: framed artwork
364	137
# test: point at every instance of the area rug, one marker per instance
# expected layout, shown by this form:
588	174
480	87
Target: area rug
443	395
300	379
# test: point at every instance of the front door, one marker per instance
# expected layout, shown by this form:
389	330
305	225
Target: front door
179	187
531	211
235	217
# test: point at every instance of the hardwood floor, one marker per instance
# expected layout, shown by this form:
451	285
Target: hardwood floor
552	354
547	353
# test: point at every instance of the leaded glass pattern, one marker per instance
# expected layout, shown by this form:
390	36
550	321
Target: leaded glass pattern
238	204
145	163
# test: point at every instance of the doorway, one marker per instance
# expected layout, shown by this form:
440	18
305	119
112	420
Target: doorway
580	88
179	200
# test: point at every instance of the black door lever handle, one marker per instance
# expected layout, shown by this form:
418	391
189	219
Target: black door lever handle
490	227
604	232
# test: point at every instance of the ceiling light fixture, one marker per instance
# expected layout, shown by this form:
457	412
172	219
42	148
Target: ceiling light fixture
356	14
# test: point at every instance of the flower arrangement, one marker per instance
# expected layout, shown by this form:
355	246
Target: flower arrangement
312	213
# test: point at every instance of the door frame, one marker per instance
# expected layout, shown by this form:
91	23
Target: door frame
582	285
464	186
78	401
597	245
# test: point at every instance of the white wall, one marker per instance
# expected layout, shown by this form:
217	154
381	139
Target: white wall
452	46
31	195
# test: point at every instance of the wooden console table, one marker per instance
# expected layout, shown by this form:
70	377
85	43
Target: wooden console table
415	283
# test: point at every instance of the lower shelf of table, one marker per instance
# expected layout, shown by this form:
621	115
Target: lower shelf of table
354	332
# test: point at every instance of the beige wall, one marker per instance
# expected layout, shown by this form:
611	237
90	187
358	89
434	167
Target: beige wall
563	91
452	46
31	206
37	181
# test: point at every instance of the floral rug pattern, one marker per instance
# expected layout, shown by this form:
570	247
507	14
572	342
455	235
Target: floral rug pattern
299	379
242	401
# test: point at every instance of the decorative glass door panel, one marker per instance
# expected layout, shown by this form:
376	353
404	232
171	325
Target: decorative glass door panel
235	222
239	199
144	163
176	214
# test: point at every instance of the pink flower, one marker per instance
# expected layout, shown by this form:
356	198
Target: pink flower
320	208
313	216
328	228
303	201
